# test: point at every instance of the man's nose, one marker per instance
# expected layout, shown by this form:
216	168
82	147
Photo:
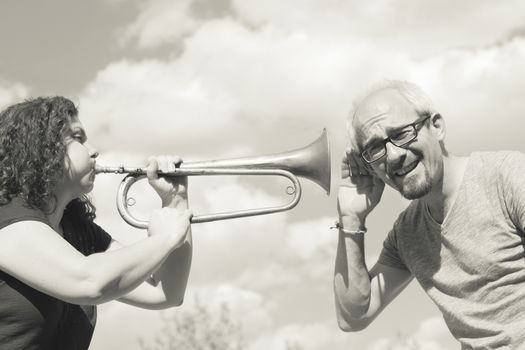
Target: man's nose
394	153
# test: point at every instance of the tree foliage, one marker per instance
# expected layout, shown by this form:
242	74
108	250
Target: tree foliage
198	329
202	327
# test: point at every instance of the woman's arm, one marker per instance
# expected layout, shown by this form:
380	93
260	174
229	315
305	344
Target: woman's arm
34	253
167	285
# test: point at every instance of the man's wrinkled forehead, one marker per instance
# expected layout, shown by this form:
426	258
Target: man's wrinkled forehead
386	107
380	103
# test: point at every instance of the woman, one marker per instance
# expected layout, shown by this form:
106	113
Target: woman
56	264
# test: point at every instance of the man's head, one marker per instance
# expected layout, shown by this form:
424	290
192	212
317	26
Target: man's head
400	136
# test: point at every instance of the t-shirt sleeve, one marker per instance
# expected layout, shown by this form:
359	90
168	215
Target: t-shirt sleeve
513	186
390	255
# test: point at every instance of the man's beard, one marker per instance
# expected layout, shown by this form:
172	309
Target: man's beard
415	188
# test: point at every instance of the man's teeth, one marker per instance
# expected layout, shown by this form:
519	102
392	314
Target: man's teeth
406	169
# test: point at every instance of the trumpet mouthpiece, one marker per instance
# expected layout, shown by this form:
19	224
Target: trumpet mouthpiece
99	169
105	169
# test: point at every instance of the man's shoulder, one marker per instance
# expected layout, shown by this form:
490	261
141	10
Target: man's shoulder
498	162
495	157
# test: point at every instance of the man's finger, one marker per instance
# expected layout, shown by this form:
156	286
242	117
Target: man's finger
361	168
352	165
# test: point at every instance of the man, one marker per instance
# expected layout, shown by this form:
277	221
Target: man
461	237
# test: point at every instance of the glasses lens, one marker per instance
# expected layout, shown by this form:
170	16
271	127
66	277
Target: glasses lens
374	152
404	136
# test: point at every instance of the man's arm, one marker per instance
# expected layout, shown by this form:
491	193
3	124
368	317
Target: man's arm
512	184
360	294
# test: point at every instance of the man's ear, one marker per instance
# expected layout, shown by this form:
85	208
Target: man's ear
438	126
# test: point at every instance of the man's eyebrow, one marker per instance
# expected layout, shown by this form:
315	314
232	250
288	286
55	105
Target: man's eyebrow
389	130
372	140
397	128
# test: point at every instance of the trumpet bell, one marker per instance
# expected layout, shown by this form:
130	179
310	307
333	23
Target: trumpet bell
311	162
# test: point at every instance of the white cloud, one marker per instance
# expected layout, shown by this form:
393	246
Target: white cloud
234	81
432	334
246	306
272	276
312	237
414	27
224	249
419	27
228	81
160	22
11	92
153	102
120	326
479	91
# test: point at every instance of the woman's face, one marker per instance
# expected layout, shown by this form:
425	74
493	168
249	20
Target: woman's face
79	162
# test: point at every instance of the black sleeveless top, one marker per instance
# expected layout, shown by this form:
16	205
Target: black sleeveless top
30	319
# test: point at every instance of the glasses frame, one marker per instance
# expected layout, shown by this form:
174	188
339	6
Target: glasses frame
389	139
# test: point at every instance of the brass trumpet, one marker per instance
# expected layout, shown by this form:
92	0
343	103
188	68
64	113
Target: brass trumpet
311	162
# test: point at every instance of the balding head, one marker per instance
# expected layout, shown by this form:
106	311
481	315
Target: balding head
394	97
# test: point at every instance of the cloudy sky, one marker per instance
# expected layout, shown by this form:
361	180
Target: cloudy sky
228	78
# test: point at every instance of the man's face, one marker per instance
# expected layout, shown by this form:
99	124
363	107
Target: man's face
414	168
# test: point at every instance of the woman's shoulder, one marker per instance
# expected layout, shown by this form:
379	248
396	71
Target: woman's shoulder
17	210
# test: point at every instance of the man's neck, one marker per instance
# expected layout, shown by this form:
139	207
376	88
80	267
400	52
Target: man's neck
443	194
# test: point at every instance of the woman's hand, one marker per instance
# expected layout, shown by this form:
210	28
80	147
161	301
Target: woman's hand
360	191
171	189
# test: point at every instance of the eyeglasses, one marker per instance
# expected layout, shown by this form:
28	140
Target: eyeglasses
402	137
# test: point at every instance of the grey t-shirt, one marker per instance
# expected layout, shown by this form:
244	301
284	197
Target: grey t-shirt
473	264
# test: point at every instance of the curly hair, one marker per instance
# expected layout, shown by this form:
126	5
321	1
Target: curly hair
32	153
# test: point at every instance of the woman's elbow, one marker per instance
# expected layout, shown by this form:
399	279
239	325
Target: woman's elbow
99	289
167	301
166	304
90	293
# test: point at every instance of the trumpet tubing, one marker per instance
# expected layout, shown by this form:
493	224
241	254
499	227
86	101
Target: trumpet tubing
311	162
